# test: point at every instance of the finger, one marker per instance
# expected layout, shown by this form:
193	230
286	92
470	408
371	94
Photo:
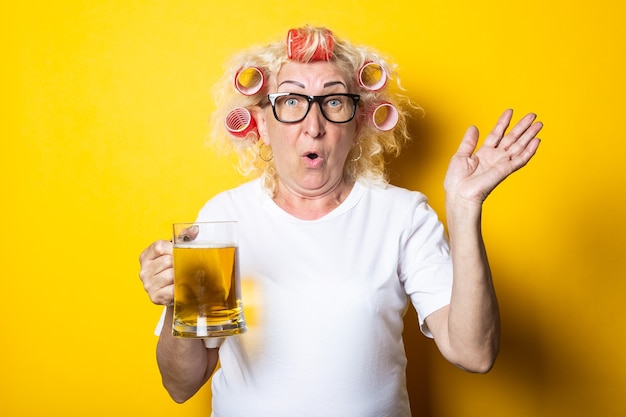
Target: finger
160	285
528	152
495	136
160	264
469	142
163	296
156	260
518	131
525	139
156	249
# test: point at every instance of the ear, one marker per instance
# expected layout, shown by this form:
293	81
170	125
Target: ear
261	122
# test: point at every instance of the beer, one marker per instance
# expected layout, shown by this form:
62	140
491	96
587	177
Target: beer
207	300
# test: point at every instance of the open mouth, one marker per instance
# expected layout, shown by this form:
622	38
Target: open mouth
313	160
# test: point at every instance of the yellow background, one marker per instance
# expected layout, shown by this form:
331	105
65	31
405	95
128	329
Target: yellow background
103	118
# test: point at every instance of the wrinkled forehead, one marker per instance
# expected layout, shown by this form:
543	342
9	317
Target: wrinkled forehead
311	75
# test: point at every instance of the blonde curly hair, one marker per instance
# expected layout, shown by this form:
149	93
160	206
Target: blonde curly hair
366	161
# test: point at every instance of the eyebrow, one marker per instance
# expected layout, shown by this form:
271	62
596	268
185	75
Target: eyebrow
299	84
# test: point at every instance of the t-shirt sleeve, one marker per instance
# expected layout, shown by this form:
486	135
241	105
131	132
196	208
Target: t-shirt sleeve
425	266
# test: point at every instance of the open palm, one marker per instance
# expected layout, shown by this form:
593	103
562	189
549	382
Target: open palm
472	174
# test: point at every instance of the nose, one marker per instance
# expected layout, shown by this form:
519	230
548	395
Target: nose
314	122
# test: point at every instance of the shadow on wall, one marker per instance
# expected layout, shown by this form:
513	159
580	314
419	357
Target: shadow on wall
415	167
419	350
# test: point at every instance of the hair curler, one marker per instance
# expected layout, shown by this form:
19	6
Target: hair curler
239	122
385	116
298	43
249	80
372	76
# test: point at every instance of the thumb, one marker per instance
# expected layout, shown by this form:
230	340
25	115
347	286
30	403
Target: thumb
469	142
189	234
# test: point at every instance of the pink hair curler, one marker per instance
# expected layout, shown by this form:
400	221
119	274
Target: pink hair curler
249	80
385	116
372	76
297	44
239	122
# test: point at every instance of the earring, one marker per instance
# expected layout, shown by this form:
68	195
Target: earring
360	154
265	157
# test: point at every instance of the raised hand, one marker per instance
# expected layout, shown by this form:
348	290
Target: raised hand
473	174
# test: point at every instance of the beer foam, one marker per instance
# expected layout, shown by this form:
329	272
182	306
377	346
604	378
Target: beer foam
200	244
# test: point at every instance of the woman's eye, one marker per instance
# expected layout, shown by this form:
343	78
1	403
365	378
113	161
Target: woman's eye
291	102
335	102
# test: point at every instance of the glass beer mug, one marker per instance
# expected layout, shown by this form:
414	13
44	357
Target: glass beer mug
207	292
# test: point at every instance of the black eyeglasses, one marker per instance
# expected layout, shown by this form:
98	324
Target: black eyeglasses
293	108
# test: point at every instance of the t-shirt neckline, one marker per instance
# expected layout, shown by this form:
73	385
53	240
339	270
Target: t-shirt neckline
346	205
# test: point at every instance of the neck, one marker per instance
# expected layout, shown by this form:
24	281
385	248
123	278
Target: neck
311	207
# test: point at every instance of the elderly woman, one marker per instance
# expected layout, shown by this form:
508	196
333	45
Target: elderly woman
332	252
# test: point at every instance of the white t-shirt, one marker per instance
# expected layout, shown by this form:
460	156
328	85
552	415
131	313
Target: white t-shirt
324	302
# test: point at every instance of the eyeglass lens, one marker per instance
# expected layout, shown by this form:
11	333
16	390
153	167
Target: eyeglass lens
291	108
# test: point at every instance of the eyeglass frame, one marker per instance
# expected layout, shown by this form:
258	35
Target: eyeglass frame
312	99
